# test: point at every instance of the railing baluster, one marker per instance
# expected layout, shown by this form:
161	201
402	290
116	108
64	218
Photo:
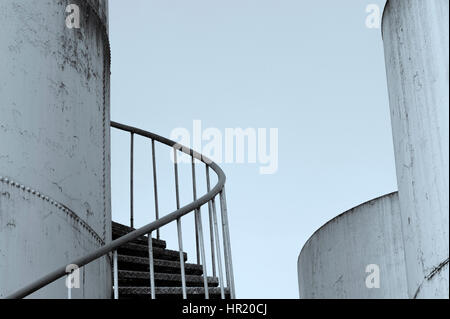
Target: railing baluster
194	189
177	186
211	231
219	255
180	245
202	251
227	241
155	187
151	266
201	258
132	182
179	229
225	249
116	275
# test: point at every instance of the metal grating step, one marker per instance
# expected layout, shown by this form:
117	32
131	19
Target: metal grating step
121	230
142	251
141	279
170	292
161	266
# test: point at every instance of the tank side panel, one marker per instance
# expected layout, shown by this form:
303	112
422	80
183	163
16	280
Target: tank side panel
416	41
54	140
333	262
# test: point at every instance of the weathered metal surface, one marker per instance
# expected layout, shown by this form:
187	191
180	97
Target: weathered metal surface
54	140
416	41
333	262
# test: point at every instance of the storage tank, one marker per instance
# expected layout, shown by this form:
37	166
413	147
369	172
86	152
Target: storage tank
416	41
358	254
54	143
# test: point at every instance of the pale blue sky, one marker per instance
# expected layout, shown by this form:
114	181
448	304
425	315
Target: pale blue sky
309	68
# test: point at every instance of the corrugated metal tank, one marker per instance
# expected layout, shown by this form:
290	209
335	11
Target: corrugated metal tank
54	144
334	261
416	40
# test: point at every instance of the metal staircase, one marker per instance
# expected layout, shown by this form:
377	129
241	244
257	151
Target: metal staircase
134	275
142	266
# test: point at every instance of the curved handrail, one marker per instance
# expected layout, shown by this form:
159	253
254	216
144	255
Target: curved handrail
147	229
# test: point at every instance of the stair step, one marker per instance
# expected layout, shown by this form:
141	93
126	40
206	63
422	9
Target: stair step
143	240
131	249
134	276
170	292
122	227
121	230
141	279
161	266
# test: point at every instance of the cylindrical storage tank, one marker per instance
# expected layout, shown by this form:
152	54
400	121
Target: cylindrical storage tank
54	144
416	41
358	254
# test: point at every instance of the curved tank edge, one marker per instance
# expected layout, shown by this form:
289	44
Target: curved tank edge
349	211
385	9
348	214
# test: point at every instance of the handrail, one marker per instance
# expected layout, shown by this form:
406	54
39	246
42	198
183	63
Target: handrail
209	198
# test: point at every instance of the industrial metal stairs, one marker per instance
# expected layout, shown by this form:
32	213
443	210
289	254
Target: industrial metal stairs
143	268
134	276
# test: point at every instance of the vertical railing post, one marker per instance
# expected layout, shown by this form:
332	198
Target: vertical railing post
155	187
179	229
201	258
151	266
211	230
194	190
219	255
225	246
132	182
227	241
180	245
116	275
202	252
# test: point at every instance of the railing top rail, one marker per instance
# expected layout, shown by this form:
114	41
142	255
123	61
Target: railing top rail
174	144
115	244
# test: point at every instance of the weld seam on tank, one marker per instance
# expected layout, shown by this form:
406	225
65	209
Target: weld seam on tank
106	68
51	201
